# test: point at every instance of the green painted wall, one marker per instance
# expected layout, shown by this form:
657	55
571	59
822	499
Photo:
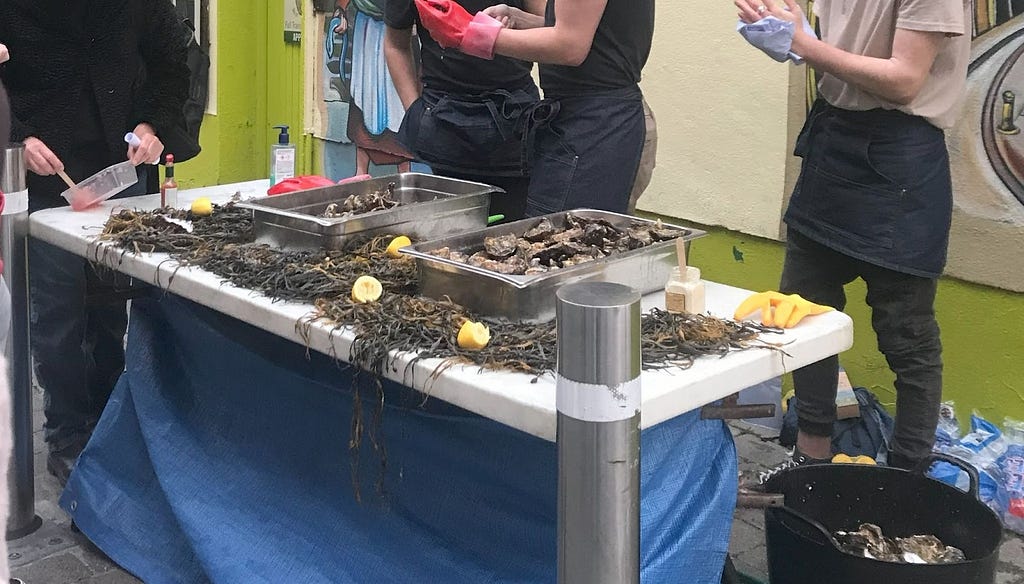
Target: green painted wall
250	53
982	328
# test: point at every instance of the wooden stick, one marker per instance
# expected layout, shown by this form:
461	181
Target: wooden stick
67	179
681	255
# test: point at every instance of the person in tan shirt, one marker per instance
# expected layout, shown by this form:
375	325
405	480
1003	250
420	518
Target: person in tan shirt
874	197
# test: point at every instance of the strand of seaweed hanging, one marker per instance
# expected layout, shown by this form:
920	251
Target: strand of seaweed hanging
223	244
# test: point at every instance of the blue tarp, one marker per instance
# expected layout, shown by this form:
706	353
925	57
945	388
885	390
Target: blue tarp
223	456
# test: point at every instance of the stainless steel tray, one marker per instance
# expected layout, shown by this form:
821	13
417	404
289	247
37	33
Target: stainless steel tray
432	207
532	298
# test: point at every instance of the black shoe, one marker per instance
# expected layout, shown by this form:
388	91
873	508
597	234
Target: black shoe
60	463
756	484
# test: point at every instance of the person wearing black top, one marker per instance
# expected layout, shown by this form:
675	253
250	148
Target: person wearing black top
81	74
465	119
589	138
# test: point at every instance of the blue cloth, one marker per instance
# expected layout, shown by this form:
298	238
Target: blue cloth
774	36
223	456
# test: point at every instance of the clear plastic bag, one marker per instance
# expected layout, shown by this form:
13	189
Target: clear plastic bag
948	431
1011	469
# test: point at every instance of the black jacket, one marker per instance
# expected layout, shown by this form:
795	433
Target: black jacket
130	49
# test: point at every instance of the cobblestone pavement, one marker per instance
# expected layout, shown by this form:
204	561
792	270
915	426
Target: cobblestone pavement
56	555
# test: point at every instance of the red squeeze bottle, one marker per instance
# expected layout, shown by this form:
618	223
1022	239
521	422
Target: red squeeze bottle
169	188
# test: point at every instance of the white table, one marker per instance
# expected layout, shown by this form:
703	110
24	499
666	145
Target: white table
509	398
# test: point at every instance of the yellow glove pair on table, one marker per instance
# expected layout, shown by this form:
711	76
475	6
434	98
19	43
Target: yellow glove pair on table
778	309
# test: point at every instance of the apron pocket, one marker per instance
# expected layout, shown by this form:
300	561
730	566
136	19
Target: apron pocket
468	135
552	170
864	215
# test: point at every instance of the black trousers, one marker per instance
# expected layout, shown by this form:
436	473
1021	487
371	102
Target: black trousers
77	321
903	317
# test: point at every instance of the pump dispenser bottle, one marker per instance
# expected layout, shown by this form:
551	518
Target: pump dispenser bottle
282	157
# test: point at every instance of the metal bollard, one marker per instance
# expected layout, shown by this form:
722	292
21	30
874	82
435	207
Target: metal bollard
598	401
22	519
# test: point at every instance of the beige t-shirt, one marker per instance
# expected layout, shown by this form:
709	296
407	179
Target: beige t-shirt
867	27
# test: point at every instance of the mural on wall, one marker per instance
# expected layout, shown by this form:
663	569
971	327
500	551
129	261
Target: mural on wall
987	150
359	109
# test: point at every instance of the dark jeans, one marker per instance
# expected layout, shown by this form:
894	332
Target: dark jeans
588	153
77	330
903	317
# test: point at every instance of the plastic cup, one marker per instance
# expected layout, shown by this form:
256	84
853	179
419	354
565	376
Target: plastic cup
101	186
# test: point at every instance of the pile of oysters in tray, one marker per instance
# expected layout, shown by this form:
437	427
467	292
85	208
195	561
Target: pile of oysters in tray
545	247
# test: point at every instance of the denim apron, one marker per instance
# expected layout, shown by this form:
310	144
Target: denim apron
875	185
585	151
470	134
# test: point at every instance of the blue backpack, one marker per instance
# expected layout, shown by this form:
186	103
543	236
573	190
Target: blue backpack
868	435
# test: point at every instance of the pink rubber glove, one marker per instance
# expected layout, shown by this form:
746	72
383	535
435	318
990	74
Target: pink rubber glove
451	26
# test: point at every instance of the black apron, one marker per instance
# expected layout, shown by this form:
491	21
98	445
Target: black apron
470	134
875	185
585	151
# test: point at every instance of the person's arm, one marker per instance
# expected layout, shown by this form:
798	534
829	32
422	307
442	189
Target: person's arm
898	79
402	64
160	103
566	43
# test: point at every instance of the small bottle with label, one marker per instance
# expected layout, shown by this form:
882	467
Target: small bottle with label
169	188
282	157
685	291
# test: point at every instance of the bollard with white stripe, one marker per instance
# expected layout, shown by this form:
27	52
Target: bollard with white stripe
21	519
598	402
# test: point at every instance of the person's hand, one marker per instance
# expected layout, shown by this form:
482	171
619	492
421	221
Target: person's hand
150	147
40	159
451	26
342	25
754	10
5	55
508	16
779	310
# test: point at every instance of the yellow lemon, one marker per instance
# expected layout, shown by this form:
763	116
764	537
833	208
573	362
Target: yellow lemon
474	335
202	207
862	459
367	289
842	459
397	244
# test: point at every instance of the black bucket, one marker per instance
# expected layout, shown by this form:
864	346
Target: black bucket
823	499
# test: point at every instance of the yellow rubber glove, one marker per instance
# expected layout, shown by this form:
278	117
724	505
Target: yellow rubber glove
779	310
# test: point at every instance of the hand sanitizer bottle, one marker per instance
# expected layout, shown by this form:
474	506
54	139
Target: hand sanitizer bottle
282	158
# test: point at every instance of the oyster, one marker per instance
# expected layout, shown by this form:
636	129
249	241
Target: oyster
543	230
869	542
502	246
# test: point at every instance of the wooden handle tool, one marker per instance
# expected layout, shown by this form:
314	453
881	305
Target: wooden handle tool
681	254
67	179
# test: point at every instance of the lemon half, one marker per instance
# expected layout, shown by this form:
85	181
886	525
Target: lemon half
474	335
367	289
397	244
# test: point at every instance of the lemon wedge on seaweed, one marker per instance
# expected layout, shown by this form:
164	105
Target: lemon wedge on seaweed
474	335
397	244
